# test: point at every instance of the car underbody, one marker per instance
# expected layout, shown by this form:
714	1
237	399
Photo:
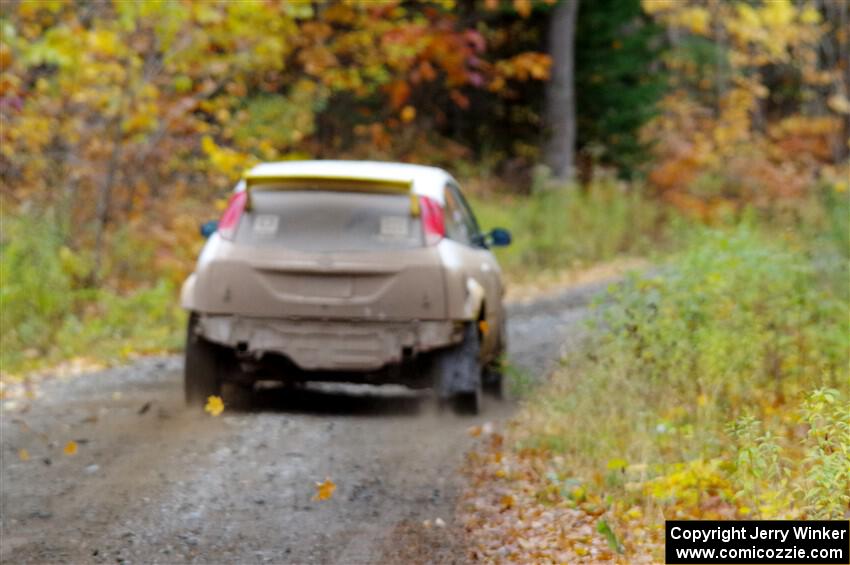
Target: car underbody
329	345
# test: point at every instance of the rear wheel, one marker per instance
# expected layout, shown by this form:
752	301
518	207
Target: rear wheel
458	373
204	368
493	378
467	403
237	395
493	381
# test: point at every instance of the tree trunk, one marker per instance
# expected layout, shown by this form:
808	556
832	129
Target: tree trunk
560	92
842	151
104	200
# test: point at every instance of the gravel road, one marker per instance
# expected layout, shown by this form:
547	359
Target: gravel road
153	482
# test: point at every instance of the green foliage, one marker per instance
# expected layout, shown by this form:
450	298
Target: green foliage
758	460
48	313
737	328
838	211
35	289
820	472
265	113
520	383
604	528
826	486
568	228
617	89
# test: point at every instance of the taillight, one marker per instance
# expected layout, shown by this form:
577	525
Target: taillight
433	223
230	219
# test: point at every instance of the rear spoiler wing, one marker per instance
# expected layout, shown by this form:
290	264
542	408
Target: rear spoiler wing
332	183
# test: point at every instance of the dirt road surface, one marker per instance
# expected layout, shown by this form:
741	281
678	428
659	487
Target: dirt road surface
154	482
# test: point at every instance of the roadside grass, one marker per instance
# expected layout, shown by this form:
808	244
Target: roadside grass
570	228
717	387
49	314
520	383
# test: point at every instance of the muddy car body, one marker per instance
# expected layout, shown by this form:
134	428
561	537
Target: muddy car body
354	271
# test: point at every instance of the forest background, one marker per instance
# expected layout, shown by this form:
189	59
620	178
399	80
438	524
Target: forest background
125	124
711	137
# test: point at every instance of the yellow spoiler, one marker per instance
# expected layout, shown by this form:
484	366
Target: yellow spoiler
335	183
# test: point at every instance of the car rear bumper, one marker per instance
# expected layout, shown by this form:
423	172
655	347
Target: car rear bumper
329	345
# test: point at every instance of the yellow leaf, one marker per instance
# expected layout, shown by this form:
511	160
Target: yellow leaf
215	406
656	6
578	494
70	448
810	15
839	104
207	144
617	464
523	7
777	13
23	455
507	502
5	56
408	114
104	42
748	15
324	490
697	19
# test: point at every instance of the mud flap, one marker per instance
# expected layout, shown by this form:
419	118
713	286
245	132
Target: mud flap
458	369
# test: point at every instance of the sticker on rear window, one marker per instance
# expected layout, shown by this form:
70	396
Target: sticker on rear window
394	226
265	224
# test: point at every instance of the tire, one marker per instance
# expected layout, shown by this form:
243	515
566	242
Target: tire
237	396
458	373
204	368
493	381
493	378
467	403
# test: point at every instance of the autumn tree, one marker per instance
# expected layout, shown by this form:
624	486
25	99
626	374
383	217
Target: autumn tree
755	111
118	117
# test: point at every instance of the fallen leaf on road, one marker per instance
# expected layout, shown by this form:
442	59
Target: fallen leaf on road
215	405
324	490
23	455
70	448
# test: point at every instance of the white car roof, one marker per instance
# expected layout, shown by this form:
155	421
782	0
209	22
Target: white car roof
426	181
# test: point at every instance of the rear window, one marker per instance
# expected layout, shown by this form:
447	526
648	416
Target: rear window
316	221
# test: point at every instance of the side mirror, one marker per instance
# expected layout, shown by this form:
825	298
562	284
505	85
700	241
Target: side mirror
499	237
208	228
